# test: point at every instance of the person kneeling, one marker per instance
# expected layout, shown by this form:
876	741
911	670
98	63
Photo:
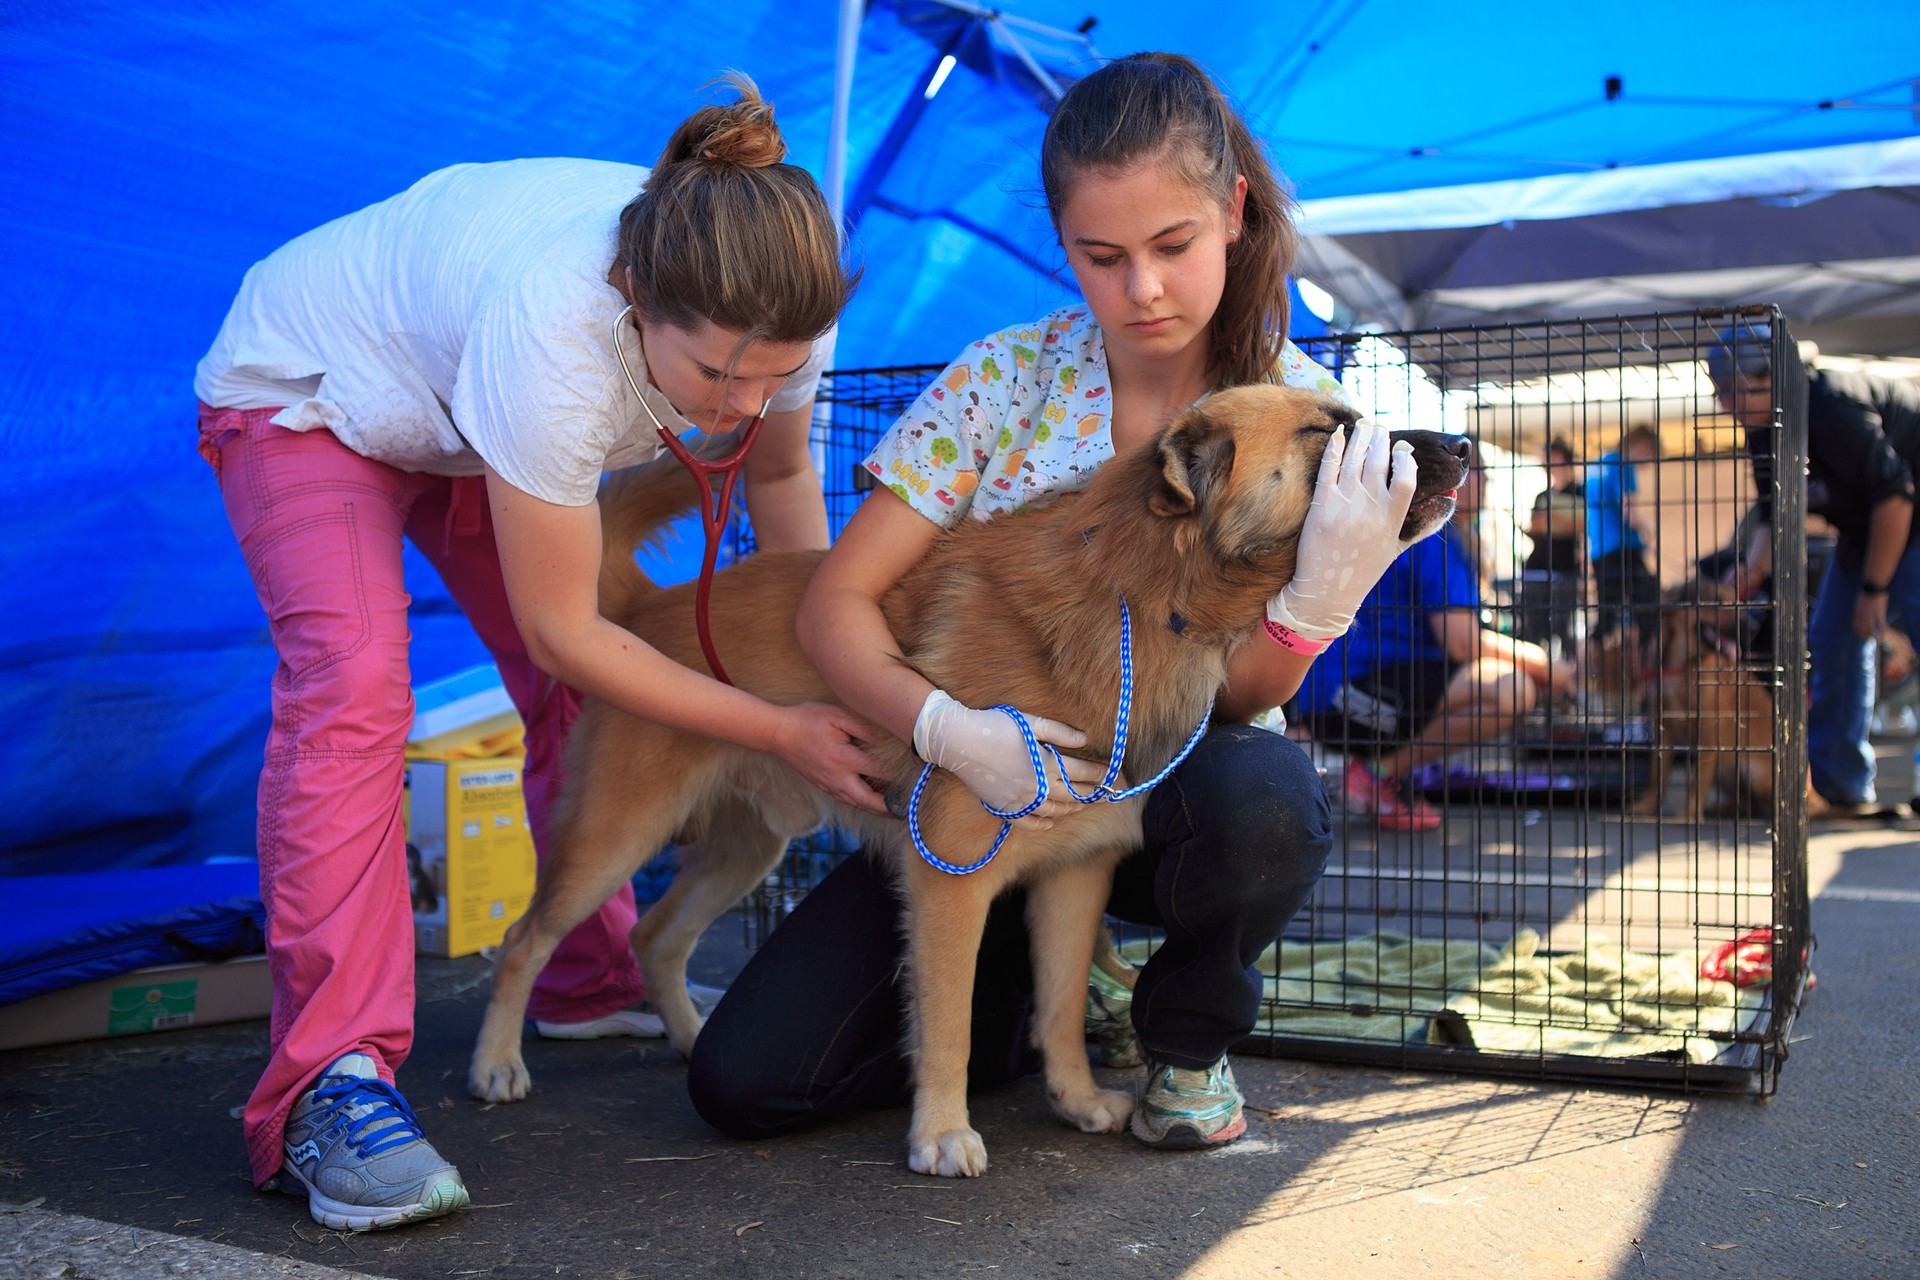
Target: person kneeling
1418	677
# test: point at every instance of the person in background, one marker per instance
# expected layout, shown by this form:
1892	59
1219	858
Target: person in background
1180	237
1418	677
1555	567
442	367
1863	444
1620	529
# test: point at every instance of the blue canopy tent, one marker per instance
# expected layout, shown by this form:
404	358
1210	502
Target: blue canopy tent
1504	161
153	152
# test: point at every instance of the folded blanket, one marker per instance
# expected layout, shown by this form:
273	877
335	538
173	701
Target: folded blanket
1375	986
1602	1001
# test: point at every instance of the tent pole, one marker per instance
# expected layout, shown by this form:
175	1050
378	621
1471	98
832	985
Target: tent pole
847	44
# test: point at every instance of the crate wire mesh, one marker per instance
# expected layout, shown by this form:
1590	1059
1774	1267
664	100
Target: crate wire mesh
1605	859
1544	927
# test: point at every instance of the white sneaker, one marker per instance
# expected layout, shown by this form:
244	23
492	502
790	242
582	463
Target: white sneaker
639	1020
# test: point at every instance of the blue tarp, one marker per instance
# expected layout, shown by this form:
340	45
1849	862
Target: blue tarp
150	153
60	931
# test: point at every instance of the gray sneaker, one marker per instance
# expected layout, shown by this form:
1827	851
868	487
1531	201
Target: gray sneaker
1183	1109
1109	1022
354	1146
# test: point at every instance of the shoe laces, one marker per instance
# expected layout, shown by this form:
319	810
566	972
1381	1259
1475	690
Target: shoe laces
387	1121
1188	1082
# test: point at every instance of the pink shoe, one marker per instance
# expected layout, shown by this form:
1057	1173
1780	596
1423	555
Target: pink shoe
1387	800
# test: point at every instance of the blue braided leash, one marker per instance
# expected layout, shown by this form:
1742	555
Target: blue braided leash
1102	792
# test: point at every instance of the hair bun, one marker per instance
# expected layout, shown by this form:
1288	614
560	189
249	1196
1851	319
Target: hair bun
742	133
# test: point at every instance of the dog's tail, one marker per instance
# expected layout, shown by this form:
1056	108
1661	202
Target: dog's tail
636	506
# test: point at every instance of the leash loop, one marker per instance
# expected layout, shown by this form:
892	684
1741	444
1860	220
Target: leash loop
1102	792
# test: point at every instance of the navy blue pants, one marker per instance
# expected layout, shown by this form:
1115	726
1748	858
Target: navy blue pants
812	1028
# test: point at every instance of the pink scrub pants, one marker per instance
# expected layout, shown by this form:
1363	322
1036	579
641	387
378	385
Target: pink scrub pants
320	528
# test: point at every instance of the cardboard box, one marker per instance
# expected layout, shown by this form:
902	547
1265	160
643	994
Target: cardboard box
469	853
157	999
465	715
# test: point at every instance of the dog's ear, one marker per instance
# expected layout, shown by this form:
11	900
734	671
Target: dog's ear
1196	457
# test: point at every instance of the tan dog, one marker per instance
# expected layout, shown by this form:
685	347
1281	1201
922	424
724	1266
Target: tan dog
1711	701
1195	530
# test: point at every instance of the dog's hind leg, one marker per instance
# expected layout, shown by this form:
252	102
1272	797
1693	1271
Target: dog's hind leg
596	849
1063	915
734	853
1700	785
946	917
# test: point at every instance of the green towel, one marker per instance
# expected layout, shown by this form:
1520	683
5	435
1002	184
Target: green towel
1599	1002
1375	986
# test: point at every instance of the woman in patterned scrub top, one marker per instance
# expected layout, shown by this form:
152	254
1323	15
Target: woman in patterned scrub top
1179	236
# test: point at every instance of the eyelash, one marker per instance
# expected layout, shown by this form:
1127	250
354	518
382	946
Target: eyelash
1171	250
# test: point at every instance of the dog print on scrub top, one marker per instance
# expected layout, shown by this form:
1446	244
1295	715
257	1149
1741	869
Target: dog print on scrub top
1020	415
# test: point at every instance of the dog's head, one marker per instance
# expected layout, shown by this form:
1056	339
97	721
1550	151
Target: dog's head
1238	470
1698	617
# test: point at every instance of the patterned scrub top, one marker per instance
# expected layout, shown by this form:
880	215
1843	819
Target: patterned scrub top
1019	416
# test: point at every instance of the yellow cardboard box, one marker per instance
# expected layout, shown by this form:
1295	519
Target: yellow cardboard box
469	853
466	715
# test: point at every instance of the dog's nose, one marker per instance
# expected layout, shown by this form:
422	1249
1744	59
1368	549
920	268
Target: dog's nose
1459	447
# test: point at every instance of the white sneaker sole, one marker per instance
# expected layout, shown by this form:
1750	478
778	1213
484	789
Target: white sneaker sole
641	1023
443	1197
621	1022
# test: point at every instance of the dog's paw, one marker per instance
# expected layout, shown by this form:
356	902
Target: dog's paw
682	1037
1095	1110
957	1153
506	1081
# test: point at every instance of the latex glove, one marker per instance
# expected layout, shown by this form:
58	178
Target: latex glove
1351	534
984	749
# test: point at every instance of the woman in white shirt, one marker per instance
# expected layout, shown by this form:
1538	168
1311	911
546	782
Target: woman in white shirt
441	367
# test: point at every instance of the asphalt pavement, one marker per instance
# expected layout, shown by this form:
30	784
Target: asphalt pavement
121	1159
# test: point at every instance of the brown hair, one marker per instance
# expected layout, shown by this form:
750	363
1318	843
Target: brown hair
1162	107
723	231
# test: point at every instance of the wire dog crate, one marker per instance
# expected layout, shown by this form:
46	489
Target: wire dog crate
1569	761
1570	845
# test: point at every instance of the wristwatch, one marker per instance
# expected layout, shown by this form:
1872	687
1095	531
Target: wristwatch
1873	588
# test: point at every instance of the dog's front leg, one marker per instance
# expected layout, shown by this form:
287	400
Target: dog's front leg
1063	915
946	916
1668	732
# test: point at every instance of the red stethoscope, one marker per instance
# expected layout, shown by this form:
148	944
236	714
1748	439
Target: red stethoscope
716	503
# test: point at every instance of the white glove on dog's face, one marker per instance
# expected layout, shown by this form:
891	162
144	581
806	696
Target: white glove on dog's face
1352	531
984	749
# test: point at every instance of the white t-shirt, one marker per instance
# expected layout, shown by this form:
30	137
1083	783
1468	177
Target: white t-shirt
465	321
